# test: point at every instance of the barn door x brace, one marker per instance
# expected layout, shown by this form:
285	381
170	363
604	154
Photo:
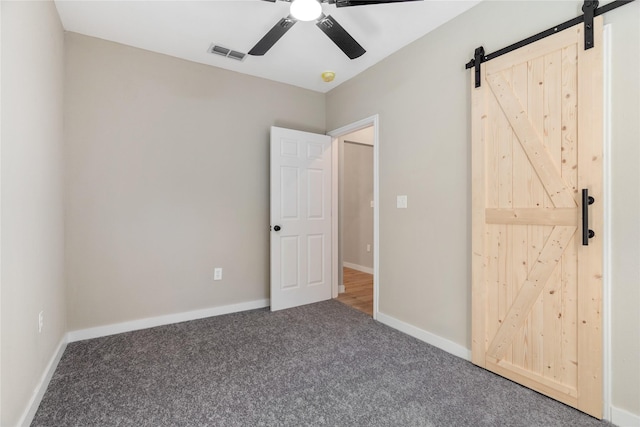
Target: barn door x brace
590	9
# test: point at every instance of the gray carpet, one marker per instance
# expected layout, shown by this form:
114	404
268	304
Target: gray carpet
323	364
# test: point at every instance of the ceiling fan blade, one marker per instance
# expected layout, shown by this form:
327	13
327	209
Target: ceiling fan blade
345	3
340	37
272	36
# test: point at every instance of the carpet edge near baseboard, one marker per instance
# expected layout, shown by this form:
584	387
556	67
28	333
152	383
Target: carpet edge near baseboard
422	335
116	328
151	322
619	417
41	387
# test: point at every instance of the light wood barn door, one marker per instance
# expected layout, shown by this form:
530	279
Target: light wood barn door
537	142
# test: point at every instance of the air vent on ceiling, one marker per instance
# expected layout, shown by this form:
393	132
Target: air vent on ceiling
227	53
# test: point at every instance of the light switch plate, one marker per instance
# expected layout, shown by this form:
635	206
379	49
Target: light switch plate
402	202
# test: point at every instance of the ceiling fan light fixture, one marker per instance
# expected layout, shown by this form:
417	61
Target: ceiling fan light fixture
306	10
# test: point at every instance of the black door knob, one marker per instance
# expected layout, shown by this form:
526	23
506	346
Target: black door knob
277	228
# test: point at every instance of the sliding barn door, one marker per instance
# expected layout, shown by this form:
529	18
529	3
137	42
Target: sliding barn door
537	142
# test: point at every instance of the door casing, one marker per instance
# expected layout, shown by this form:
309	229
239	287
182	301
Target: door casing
335	135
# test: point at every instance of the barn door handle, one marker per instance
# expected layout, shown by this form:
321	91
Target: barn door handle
586	201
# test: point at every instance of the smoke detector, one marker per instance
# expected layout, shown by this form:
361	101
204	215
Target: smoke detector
328	76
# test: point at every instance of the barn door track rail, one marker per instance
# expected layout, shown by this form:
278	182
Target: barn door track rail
590	9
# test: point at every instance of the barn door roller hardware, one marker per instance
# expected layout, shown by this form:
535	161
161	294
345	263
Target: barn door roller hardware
590	9
478	59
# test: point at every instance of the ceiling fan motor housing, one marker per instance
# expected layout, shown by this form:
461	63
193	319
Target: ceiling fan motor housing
326	23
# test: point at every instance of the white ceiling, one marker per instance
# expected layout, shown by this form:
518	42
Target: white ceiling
186	29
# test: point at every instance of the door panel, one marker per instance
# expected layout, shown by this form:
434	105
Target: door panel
289	192
316	260
301	208
536	125
289	262
315	187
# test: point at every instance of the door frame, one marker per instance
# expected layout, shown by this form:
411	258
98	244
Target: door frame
372	121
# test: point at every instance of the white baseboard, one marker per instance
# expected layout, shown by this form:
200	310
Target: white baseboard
364	269
428	337
622	418
150	322
41	387
341	289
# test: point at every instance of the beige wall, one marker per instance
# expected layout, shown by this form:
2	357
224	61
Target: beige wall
32	199
422	96
357	217
167	178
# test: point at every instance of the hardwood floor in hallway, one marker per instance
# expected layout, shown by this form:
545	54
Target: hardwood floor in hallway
358	290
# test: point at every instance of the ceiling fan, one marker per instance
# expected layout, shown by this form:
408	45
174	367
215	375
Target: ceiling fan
311	10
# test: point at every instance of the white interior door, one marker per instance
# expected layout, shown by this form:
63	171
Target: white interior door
300	218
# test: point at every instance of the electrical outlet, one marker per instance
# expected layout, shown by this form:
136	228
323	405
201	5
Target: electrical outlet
40	321
401	202
217	273
368	248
